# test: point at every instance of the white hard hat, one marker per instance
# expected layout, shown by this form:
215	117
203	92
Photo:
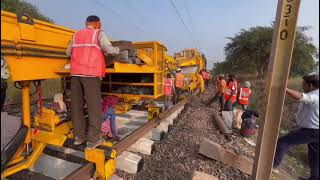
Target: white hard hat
246	84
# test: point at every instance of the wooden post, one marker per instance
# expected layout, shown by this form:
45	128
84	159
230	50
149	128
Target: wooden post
278	72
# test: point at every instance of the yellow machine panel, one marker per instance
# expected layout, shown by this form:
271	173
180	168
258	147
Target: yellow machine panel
136	81
191	62
33	49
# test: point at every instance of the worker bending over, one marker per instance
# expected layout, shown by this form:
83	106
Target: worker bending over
231	93
221	87
87	50
167	90
307	119
244	94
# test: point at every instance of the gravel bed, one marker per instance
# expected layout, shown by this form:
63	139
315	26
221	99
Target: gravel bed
176	155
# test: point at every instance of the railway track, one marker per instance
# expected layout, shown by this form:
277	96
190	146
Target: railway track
86	169
128	141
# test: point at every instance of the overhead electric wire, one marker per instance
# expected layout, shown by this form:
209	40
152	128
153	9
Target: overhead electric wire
183	23
119	15
133	10
139	16
188	12
191	21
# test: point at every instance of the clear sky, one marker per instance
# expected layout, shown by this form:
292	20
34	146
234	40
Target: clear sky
210	21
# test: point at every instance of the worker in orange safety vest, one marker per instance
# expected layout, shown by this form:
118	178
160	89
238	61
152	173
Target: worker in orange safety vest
167	90
231	93
220	91
244	94
87	49
179	84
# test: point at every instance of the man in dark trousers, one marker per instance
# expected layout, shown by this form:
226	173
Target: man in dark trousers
221	88
308	123
88	49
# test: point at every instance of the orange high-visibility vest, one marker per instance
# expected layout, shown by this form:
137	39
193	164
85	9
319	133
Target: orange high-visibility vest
167	87
179	80
227	95
87	57
244	96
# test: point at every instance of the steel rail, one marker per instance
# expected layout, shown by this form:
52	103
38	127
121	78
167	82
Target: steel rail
127	141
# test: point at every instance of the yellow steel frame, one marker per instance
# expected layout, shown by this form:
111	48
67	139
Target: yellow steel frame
35	50
185	58
196	82
22	43
104	168
24	165
56	136
153	54
30	57
153	112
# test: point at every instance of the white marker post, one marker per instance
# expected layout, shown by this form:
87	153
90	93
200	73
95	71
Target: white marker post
278	72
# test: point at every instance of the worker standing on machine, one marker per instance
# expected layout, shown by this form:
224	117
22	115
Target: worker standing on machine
167	90
87	50
179	84
244	94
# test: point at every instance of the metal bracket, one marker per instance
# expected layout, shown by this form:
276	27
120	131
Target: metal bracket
20	19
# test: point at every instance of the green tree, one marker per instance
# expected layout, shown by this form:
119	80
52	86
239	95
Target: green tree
218	68
304	54
19	6
249	51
